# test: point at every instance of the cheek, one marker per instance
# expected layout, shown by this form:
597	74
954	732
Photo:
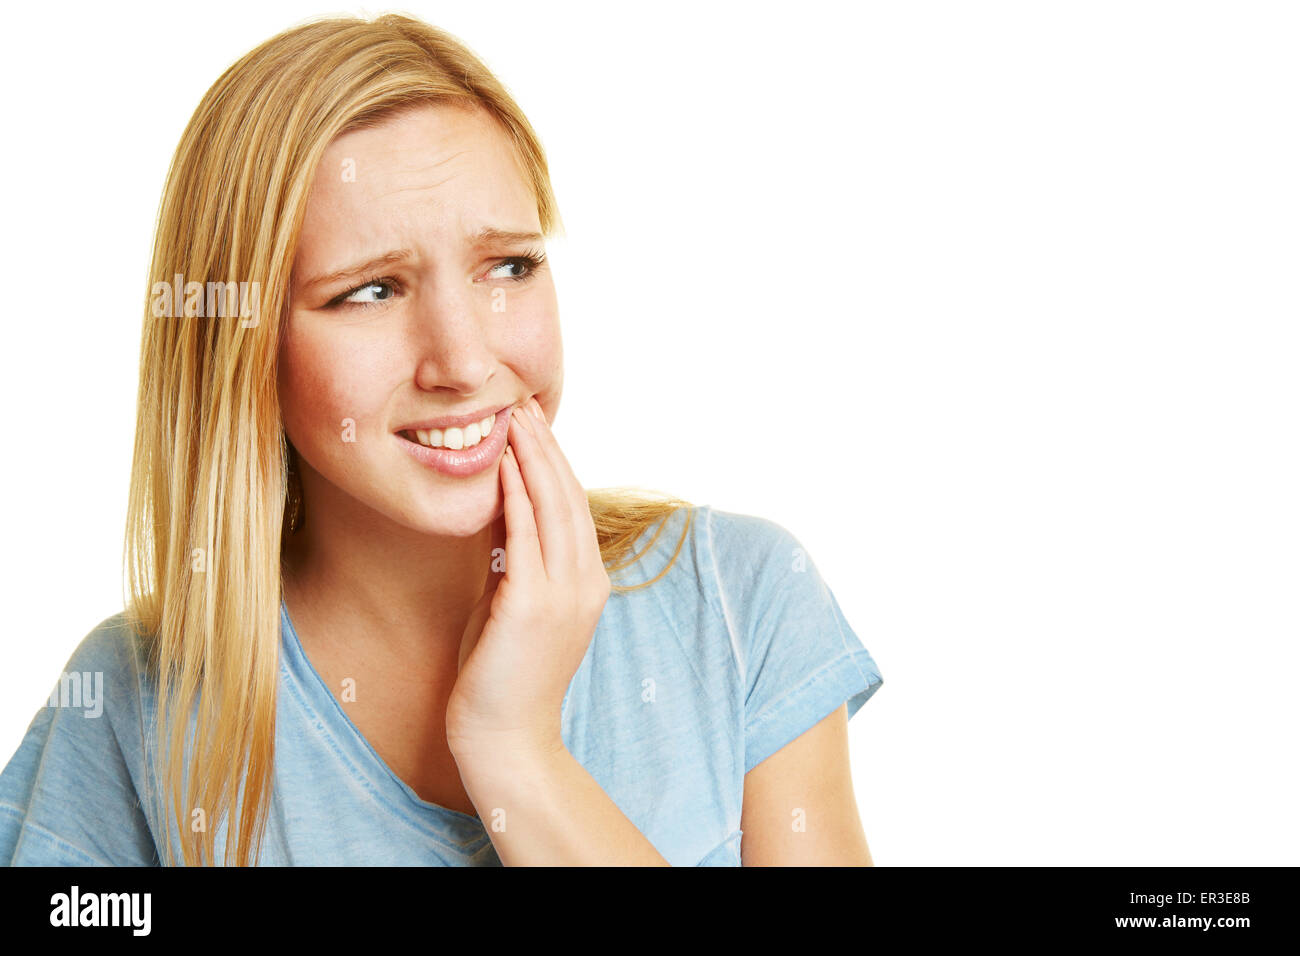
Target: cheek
322	382
535	351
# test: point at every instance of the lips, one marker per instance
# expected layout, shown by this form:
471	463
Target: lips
458	462
453	421
454	438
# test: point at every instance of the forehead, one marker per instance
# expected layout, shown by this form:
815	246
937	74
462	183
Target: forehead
433	170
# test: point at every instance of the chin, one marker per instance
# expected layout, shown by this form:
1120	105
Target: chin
462	515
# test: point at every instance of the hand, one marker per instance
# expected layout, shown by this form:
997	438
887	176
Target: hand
530	631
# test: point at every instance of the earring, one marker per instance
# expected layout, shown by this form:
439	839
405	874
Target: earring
293	504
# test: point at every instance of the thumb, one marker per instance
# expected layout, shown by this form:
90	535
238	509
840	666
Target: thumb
474	628
483	609
498	546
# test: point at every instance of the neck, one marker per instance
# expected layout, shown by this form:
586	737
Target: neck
354	578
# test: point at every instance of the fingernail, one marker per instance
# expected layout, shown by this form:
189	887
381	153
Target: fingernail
523	419
536	409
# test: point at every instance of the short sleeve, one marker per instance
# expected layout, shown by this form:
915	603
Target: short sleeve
68	796
799	658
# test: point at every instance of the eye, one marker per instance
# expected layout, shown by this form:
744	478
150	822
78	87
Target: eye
371	292
528	263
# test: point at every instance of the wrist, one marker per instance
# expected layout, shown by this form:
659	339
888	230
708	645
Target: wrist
475	750
499	773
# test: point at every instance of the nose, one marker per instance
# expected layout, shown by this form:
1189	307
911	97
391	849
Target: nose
453	349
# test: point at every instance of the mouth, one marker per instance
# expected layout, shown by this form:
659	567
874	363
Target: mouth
458	446
452	437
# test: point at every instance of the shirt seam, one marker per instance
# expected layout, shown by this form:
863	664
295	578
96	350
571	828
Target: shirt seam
375	793
722	600
423	827
815	677
54	838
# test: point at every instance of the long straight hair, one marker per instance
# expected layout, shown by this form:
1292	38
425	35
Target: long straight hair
210	474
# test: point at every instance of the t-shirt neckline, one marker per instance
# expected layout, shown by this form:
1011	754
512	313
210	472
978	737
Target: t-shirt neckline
363	758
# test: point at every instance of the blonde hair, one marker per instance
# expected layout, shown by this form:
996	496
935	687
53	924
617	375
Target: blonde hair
209	480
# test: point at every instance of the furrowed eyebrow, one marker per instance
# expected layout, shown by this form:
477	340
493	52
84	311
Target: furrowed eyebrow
490	234
387	258
485	236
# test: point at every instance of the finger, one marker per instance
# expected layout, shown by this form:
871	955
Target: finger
547	438
577	494
584	525
497	550
523	554
551	509
483	609
474	629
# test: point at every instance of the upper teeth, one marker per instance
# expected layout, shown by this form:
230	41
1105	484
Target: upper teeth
455	438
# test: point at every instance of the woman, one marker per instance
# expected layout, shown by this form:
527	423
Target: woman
374	617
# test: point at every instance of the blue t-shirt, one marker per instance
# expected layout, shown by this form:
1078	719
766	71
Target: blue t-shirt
685	687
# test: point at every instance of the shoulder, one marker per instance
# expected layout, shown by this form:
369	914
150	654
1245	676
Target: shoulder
68	794
748	544
701	540
113	645
757	562
708	563
113	654
102	678
698	553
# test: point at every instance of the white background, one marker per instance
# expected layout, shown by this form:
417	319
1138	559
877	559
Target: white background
992	304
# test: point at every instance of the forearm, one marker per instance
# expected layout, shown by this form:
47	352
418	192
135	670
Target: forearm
547	810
